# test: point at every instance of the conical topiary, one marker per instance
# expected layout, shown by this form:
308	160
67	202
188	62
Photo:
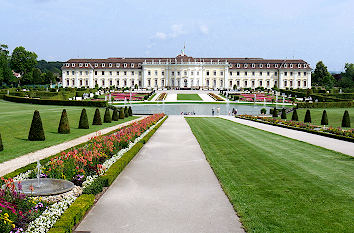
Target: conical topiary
283	114
83	123
36	132
307	117
346	119
275	112
64	127
115	115
324	120
130	111
294	117
121	113
97	118
126	113
107	116
1	145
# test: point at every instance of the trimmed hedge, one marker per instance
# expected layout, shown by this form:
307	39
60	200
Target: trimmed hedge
324	119
346	119
294	117
97	118
307	117
64	127
83	123
95	187
1	145
74	214
56	102
107	116
343	104
36	132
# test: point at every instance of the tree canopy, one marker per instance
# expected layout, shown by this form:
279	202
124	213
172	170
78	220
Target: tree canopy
322	77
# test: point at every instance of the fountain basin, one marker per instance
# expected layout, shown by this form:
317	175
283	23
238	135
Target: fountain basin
45	186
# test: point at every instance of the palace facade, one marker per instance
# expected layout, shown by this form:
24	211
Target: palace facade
187	72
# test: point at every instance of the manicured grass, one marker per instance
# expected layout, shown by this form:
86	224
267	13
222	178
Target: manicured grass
188	97
277	184
15	122
335	115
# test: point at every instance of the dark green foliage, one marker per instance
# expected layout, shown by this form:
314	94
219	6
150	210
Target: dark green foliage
263	111
1	145
95	187
64	126
121	113
324	119
275	112
83	123
294	117
346	119
307	117
283	114
107	116
97	118
36	132
115	115
126	113
344	104
130	111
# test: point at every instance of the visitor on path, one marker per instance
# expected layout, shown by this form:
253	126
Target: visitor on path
218	110
235	111
212	111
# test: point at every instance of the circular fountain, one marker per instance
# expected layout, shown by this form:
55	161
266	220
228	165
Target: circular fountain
43	186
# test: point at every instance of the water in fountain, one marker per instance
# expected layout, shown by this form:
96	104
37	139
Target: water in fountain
38	171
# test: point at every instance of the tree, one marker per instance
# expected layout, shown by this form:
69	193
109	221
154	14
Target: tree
64	127
97	118
294	117
115	115
324	119
126	113
49	77
36	76
307	116
263	111
346	119
22	61
283	114
6	74
121	113
1	145
321	76
107	116
347	80
130	111
275	112
83	123
36	132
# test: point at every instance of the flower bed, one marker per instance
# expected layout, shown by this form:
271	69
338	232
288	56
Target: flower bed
128	96
338	133
215	97
261	97
83	166
161	97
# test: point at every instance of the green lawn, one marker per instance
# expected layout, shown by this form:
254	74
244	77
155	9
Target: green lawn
335	115
277	184
15	122
188	97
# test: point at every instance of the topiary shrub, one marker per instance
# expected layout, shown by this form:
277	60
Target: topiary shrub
283	114
324	119
121	113
294	117
130	111
64	127
346	119
263	111
36	132
115	115
307	117
107	116
126	113
83	123
1	145
97	118
275	112
271	111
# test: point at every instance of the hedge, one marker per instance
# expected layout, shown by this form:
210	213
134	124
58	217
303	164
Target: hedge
56	102
74	214
343	104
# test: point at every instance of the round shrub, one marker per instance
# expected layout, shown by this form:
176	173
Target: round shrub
283	114
130	111
64	127
1	145
126	113
121	113
307	116
294	117
263	111
107	116
275	112
324	119
115	115
36	132
83	123
97	118
346	119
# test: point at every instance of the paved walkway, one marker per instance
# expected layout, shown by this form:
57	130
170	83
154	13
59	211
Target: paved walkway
12	165
168	187
318	140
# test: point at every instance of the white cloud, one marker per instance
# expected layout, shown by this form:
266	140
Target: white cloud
204	29
160	35
177	30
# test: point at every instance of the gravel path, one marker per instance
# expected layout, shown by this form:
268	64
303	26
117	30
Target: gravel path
168	187
318	140
12	165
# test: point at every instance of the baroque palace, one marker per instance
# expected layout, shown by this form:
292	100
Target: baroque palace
184	72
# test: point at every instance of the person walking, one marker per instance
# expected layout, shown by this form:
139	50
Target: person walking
212	111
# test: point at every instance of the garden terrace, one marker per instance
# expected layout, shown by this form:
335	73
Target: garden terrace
189	97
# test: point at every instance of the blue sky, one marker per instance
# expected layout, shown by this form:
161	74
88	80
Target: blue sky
312	30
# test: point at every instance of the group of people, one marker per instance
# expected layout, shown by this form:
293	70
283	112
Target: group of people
188	113
233	113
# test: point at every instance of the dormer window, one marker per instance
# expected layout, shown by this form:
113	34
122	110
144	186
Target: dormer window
253	65
299	65
139	64
268	65
125	65
260	65
245	65
96	65
132	65
73	64
117	64
285	65
276	65
291	65
110	64
67	64
86	64
80	64
103	64
238	65
305	65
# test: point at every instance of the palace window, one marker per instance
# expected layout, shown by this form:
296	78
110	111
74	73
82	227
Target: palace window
139	72
291	66
298	83
125	83
67	64
246	73
253	73
173	73
80	72
117	64
192	73
305	73
246	83
178	73
260	65
285	65
260	83
67	72
110	64
197	72
139	64
102	82
230	73
86	65
261	73
149	73
238	65
132	72
110	82
291	73
125	73
155	82
214	73
73	72
276	73
253	65
299	73
80	64
86	72
95	72
268	65
299	65
73	64
221	73
305	65
207	73
86	82
67	82
163	73
125	65
276	65
185	72
252	83
230	83
238	83
285	73
96	65
103	64
285	83
291	83
117	72
102	72
245	65
238	73
268	73
110	72
268	83
132	65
